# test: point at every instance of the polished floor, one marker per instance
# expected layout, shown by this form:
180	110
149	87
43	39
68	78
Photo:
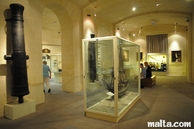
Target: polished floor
171	99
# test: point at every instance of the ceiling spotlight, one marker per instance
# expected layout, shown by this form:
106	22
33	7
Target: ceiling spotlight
158	4
133	9
88	15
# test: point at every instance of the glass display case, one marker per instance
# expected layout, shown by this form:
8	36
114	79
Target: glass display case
157	61
56	63
111	77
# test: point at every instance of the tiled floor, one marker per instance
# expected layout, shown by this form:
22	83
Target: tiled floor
171	99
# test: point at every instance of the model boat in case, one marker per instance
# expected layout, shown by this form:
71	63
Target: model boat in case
111	77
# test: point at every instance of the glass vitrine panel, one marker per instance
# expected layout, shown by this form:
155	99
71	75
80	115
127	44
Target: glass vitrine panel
111	76
128	77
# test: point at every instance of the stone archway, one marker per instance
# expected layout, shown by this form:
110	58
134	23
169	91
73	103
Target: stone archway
70	48
70	18
51	40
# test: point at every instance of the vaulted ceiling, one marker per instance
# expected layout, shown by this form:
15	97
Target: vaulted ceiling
147	13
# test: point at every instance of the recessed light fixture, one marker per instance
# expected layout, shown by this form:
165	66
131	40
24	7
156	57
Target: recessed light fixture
88	15
158	4
153	22
134	8
95	15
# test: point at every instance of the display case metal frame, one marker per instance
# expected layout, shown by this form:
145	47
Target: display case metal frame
99	101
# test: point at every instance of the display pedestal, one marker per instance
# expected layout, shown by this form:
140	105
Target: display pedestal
93	86
16	110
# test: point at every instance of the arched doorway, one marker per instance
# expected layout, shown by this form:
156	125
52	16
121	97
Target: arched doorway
70	32
51	48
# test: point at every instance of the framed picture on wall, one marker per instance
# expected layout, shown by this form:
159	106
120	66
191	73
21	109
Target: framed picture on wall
176	56
125	55
141	55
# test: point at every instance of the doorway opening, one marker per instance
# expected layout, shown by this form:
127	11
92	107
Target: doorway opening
51	48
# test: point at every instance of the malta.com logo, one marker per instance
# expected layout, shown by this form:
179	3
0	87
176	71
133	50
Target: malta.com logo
163	123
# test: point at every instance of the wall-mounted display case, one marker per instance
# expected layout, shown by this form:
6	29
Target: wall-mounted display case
157	61
55	64
111	77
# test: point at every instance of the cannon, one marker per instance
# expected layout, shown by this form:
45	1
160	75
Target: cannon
18	56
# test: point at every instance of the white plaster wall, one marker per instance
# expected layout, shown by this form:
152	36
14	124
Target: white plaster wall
96	25
173	68
103	30
2	95
33	36
177	42
55	49
2	61
51	37
123	34
191	40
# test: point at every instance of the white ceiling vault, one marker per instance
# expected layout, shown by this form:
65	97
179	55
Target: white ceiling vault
147	13
119	12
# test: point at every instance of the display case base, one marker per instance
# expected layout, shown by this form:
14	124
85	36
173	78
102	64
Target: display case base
110	118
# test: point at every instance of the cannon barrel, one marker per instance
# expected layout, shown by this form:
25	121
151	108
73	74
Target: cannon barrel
18	55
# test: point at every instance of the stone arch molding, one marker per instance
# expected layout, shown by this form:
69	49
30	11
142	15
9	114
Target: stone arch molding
69	16
63	17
